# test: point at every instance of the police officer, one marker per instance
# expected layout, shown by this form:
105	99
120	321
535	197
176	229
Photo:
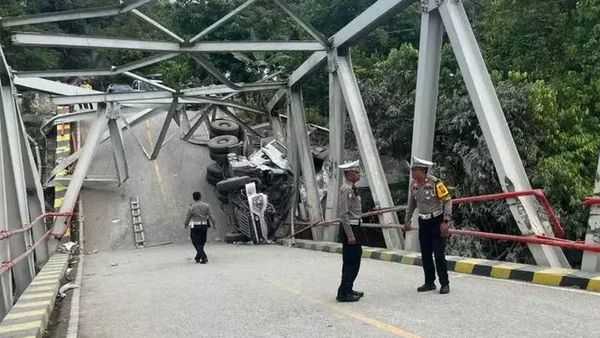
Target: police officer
350	234
431	197
199	218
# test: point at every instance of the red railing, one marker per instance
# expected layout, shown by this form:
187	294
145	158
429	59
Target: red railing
559	231
591	200
543	240
7	265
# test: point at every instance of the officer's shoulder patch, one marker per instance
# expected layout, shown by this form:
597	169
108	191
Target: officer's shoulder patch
442	191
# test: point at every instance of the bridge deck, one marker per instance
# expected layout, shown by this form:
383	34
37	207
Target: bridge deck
272	291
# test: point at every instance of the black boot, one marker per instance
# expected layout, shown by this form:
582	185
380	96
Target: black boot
445	289
204	260
358	293
348	298
426	287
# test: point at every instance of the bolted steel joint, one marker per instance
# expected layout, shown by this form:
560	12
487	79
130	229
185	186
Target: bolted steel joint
113	110
332	62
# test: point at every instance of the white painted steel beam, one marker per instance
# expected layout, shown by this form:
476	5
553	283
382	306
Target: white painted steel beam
337	127
13	131
210	68
428	75
164	129
591	260
157	25
150	82
310	29
222	21
88	42
88	151
510	170
116	139
53	87
306	161
356	29
76	14
368	151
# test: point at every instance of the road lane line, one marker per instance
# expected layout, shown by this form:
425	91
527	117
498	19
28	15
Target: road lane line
395	330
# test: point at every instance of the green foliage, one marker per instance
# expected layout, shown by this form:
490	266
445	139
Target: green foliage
543	57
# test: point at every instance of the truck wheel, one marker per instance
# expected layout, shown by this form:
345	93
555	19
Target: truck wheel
212	180
219	158
224	127
222	198
215	171
222	143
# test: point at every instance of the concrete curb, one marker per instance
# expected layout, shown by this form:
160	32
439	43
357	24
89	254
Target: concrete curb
481	267
29	316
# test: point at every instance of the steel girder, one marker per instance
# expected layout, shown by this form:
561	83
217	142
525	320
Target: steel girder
430	55
510	170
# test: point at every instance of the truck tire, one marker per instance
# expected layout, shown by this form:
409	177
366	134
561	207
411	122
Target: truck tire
224	127
222	198
235	183
219	158
232	237
221	144
212	180
215	171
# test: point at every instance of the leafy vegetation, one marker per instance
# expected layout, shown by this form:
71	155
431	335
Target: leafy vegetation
544	57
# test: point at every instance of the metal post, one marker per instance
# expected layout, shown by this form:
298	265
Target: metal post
184	121
292	155
6	195
493	123
428	76
277	128
368	150
164	129
83	164
306	161
35	199
22	272
591	260
337	131
205	113
116	139
13	132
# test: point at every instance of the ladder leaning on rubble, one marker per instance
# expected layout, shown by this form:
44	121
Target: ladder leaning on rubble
136	218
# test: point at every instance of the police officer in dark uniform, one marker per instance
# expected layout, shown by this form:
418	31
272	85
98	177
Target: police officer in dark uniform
431	197
199	218
350	234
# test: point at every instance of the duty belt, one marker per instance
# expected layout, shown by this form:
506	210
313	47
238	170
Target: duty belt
194	224
432	215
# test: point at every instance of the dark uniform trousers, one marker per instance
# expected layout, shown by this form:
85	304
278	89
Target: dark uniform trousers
351	255
432	242
198	236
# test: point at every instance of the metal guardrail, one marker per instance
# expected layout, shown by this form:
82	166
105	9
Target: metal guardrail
7	265
537	239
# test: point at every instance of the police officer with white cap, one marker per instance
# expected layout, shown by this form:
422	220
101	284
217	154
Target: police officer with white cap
431	197
350	234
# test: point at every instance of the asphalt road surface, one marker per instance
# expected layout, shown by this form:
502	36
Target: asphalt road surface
273	291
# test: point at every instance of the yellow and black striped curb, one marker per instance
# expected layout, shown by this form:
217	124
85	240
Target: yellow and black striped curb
63	150
481	267
29	316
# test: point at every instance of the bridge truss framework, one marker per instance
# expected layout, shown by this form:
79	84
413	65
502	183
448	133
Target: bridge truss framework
22	196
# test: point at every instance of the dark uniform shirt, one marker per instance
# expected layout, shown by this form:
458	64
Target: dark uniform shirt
199	213
429	197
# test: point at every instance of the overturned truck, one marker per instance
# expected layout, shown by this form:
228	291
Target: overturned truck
254	181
